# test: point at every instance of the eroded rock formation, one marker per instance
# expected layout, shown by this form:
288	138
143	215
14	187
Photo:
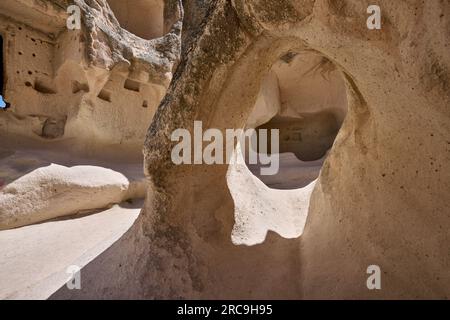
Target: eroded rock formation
90	92
97	87
381	196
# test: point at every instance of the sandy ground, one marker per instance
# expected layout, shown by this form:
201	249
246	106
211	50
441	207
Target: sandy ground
39	182
34	259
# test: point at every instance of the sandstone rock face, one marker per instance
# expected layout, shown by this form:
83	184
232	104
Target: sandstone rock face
97	87
88	92
380	198
373	103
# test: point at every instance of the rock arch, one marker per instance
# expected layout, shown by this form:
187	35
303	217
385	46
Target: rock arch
365	208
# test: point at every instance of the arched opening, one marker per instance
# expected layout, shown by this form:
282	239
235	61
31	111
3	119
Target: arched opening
304	97
144	18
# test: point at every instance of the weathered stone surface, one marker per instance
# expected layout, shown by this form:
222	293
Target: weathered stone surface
90	93
105	81
56	191
381	196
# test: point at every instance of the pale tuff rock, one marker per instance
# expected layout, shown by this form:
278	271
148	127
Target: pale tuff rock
381	195
259	209
374	103
97	87
90	92
55	191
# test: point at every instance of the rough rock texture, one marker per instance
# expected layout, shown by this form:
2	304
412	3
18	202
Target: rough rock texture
96	88
381	197
86	93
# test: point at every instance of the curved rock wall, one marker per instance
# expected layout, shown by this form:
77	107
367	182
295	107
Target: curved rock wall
381	198
376	202
92	89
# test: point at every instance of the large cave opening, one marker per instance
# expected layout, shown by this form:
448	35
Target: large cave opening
301	106
144	18
304	97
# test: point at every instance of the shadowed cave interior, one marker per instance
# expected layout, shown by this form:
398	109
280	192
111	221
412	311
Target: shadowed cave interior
143	18
304	97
